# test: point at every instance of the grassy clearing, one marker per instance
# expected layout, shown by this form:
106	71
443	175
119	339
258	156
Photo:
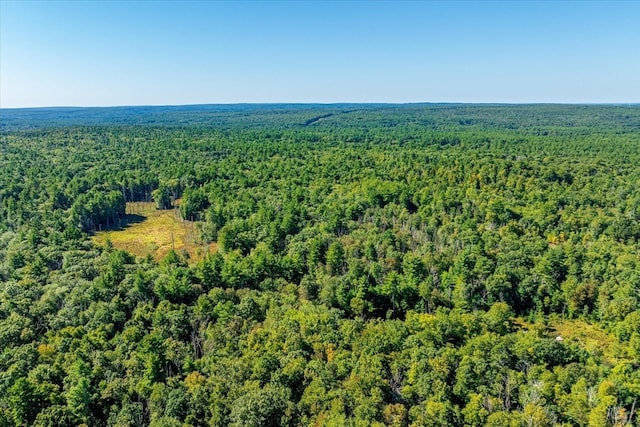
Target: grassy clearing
593	339
153	232
589	336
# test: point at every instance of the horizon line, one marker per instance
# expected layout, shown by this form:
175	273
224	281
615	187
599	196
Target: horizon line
229	104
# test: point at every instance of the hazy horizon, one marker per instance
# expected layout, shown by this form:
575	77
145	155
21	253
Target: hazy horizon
327	104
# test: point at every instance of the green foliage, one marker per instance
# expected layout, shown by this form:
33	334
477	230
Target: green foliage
162	197
387	265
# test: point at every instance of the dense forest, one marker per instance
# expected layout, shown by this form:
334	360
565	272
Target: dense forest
376	265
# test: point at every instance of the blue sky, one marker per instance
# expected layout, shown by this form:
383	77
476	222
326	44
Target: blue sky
99	53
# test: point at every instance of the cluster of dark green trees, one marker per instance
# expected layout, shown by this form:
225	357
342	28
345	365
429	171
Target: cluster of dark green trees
377	265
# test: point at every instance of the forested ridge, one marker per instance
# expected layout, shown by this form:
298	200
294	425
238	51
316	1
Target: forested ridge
400	265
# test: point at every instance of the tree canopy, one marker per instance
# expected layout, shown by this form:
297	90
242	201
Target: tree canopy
409	265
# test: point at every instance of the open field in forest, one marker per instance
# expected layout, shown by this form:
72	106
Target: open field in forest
155	232
588	336
592	338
